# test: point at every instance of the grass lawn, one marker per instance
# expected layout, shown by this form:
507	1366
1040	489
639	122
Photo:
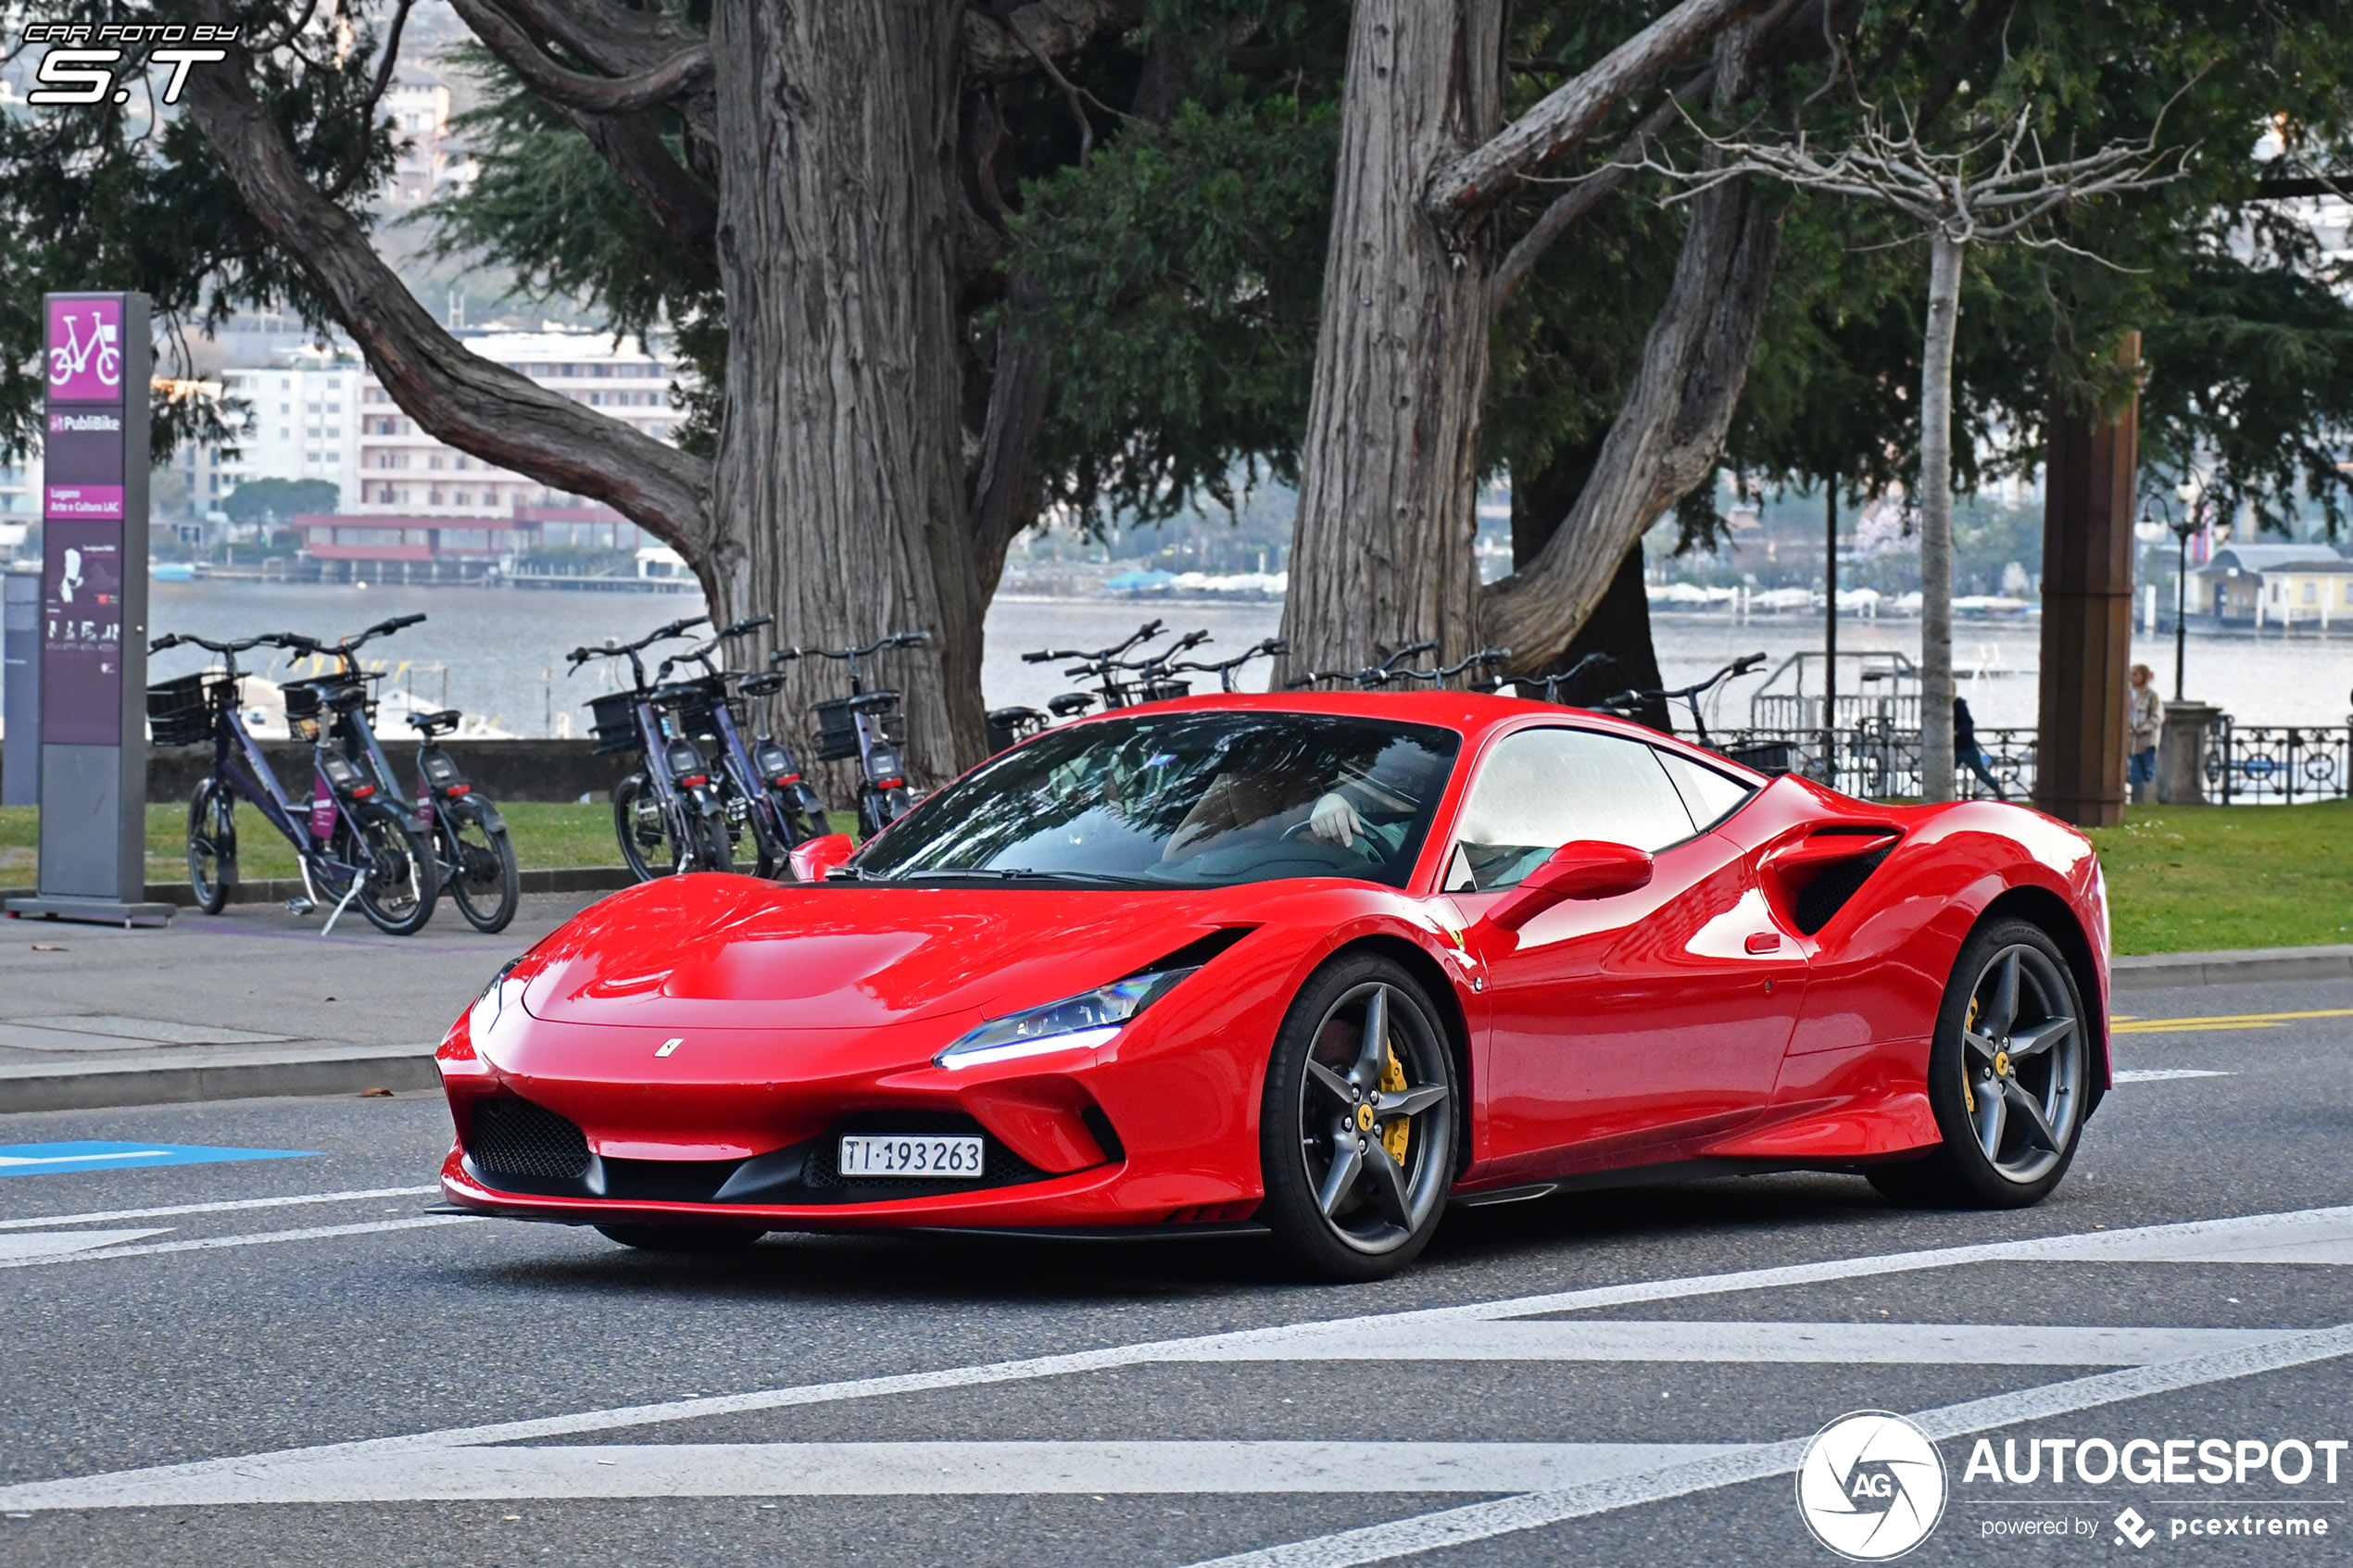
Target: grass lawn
2179	878
2188	878
546	835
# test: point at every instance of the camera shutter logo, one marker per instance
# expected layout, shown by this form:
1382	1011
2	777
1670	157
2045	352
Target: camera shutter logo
1871	1486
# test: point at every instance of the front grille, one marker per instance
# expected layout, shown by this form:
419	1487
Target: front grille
514	1137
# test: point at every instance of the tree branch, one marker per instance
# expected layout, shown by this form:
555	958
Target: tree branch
477	406
1569	114
997	48
686	70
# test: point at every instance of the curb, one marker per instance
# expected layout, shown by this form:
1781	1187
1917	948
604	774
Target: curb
2155	971
182	1084
567	879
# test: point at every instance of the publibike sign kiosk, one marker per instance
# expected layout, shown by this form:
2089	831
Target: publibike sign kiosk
93	614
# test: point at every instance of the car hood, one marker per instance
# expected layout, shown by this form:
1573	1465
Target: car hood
720	951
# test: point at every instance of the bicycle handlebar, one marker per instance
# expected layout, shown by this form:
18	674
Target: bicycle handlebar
1143	633
890	640
173	639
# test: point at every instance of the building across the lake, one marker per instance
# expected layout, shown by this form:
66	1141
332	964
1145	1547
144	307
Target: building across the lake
2274	585
555	546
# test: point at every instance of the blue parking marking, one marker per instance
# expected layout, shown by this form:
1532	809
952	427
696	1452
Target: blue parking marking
62	1159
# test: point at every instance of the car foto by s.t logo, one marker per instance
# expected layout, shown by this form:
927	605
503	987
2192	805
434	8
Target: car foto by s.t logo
1871	1486
86	75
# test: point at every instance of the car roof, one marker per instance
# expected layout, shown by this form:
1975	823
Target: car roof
1473	714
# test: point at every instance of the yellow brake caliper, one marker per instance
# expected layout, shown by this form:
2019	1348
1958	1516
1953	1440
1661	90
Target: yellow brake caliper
1394	1137
1969	1096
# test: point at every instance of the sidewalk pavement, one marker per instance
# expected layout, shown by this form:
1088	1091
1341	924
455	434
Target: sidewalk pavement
252	1001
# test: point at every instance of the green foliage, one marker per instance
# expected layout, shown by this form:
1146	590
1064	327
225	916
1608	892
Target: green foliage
281	500
126	195
549	208
1178	274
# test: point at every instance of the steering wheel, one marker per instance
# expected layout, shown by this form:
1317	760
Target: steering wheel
1374	849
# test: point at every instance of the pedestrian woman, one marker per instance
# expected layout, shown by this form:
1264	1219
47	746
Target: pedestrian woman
2145	715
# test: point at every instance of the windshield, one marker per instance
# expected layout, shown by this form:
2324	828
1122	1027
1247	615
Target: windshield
1185	800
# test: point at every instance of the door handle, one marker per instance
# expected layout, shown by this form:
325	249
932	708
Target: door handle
1763	942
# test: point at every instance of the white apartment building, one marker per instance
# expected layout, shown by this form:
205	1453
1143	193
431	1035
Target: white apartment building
430	159
402	469
321	414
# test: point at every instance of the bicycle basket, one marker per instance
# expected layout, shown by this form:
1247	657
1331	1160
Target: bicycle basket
837	729
180	712
1773	756
614	718
303	701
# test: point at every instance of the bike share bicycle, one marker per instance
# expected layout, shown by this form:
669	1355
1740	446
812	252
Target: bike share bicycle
761	785
474	857
1772	757
667	813
866	725
349	842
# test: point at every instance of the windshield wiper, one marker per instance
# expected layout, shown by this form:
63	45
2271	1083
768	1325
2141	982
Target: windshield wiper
1022	874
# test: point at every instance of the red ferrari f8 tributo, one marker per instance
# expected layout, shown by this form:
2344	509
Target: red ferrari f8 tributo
1319	965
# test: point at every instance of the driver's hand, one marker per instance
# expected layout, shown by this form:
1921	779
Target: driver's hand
1334	820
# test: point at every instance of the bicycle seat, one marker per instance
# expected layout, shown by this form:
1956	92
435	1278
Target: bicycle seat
1071	704
761	685
438	723
872	702
1013	715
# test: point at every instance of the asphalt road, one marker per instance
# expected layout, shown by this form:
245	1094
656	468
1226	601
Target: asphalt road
1608	1378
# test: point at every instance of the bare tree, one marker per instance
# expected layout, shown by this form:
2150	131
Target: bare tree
1995	188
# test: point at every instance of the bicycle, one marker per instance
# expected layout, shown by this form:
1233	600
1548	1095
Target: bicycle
1554	684
474	857
1367	678
353	844
1626	702
666	813
761	787
1271	647
71	360
866	725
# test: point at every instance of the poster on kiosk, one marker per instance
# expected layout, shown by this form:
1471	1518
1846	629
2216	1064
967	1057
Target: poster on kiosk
94	613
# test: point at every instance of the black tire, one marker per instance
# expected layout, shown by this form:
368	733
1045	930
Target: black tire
714	851
1341	1201
213	846
643	829
681	1238
2009	1080
478	860
399	879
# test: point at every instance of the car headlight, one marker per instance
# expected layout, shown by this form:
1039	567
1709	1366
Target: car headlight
1077	1023
497	997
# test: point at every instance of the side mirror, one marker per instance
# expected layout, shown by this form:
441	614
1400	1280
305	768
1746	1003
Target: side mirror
1587	867
812	861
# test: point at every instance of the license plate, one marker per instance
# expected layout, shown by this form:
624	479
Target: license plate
884	1154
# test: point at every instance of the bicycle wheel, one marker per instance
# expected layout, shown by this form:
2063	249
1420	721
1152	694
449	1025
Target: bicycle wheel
478	865
398	877
713	851
213	846
643	829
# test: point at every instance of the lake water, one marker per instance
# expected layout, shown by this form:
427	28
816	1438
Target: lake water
501	651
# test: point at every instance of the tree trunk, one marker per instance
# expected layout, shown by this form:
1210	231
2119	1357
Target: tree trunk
838	498
1383	548
1620	624
1935	500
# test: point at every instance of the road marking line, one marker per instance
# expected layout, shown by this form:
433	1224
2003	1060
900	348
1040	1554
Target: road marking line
2294	1235
2165	1075
83	1158
221	1207
1688	1341
42	1244
1457	1526
75	1157
2220	1021
258	1238
920	1469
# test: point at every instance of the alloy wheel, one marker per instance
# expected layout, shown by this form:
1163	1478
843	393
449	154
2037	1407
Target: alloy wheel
2022	1063
1375	1128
